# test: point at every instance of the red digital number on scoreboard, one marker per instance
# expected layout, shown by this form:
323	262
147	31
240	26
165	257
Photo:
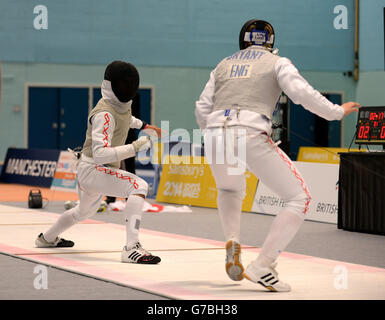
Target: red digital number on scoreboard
363	132
376	116
382	134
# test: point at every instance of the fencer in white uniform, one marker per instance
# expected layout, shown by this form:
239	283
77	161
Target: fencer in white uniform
235	111
98	170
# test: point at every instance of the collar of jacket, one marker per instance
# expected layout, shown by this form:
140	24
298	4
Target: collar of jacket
110	97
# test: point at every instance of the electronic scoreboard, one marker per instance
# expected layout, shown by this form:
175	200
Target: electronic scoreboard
371	125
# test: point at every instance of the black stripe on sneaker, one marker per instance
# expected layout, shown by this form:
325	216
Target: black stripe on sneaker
131	255
273	283
265	276
135	256
267	280
138	256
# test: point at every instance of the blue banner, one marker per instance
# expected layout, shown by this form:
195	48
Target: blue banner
35	167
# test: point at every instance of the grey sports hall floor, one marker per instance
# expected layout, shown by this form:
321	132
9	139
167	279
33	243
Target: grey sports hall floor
314	239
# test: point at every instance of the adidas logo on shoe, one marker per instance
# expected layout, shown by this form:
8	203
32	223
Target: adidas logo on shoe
266	277
137	254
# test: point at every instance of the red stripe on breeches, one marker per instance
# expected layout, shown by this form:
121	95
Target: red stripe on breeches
295	172
117	174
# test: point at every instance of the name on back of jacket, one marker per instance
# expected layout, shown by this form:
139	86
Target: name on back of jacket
247	55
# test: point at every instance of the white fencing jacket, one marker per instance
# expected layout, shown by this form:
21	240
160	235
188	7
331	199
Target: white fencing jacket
290	82
102	132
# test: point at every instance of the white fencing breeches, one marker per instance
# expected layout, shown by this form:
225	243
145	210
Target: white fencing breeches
95	182
230	151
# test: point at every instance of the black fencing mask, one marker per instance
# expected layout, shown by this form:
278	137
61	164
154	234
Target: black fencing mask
124	80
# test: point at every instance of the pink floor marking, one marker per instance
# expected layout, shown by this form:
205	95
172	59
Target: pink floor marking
162	288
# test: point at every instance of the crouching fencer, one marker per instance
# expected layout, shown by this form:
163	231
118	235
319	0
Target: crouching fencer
98	170
235	111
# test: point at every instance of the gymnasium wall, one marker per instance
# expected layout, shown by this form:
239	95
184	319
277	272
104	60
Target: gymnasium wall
194	33
175	44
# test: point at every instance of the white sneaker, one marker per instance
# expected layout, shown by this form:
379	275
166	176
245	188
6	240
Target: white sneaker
266	277
40	242
234	267
137	254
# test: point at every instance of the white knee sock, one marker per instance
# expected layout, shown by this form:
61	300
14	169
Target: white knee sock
133	215
229	210
285	226
65	221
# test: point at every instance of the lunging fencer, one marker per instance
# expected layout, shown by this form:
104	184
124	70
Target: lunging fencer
240	98
98	170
